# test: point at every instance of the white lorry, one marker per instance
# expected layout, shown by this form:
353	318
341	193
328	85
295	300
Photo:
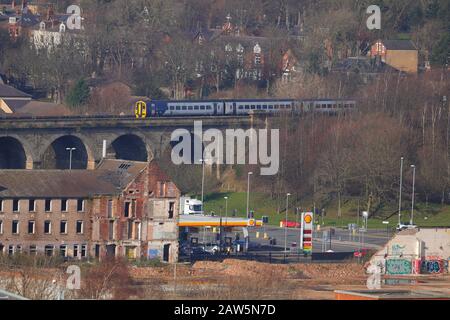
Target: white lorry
189	206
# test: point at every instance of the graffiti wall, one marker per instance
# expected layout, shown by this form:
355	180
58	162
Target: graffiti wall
398	267
434	265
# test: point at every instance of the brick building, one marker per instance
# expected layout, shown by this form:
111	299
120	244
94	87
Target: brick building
122	209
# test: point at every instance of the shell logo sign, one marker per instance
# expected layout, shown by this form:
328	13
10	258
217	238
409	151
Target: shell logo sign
307	232
308	218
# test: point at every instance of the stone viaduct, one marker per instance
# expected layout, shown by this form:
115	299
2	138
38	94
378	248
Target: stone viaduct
41	143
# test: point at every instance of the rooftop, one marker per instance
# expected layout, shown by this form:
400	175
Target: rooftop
10	92
110	178
399	45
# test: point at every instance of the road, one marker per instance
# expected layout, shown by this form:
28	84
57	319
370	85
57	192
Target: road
342	241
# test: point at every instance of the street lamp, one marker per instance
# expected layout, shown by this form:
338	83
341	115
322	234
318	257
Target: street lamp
400	196
413	194
203	182
71	150
248	192
226	209
286	224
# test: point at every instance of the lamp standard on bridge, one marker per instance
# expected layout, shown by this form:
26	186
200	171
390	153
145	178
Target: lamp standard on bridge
286	223
411	222
248	192
71	150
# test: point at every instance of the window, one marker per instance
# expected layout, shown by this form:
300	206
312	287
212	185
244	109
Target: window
76	248
110	208
16	205
1	205
184	108
63	227
49	250
171	209
83	251
1	227
63	250
15	227
31	205
10	250
19	249
47	227
202	107
64	207
196	107
111	230
80	205
80	227
33	250
127	209
31	227
190	108
48	205
178	108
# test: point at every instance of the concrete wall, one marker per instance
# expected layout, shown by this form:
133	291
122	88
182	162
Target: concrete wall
422	251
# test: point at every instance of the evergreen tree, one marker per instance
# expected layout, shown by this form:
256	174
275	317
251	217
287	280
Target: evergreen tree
79	94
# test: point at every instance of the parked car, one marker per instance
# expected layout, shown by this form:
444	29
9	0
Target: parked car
361	253
402	227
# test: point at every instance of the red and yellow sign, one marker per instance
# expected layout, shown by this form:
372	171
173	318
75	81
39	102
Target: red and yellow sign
307	232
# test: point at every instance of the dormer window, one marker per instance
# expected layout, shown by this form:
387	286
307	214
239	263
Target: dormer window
62	28
42	26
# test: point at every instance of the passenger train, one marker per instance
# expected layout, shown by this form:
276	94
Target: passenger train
242	107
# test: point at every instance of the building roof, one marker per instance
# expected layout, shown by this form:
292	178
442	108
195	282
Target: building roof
363	65
399	45
10	92
110	178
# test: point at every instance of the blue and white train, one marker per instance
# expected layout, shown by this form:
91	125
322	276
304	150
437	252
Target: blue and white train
242	107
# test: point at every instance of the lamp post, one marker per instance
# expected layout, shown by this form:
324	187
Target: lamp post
400	196
285	225
203	183
226	209
71	150
248	191
413	194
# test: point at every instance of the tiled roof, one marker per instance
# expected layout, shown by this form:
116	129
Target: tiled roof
399	45
110	178
10	92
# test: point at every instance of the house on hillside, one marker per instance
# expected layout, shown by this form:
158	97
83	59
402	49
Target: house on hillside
15	102
402	55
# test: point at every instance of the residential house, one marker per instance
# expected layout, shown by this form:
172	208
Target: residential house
402	55
15	102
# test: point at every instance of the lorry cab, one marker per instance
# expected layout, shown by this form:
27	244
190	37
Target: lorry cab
189	206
